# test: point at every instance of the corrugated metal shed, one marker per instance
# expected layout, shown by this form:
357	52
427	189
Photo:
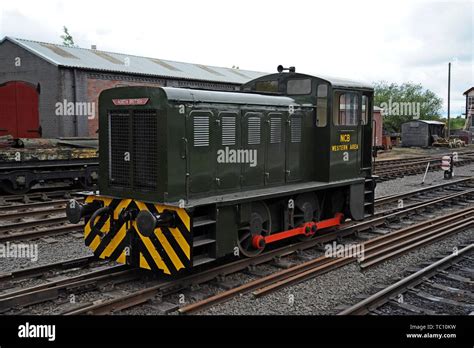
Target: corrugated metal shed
81	58
432	122
421	133
467	91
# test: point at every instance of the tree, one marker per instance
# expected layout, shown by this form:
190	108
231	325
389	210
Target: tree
457	122
67	38
402	103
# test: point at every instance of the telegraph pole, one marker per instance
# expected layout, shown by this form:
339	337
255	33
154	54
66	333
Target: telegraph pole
449	98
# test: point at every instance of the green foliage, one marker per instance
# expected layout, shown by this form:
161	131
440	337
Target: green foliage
402	103
457	123
67	38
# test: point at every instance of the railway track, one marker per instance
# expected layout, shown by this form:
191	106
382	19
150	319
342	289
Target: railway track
40	271
453	192
57	286
35	219
418	194
38	197
298	273
370	253
392	169
443	287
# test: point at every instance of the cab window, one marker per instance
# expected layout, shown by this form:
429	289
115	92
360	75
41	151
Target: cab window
365	110
298	87
346	109
322	105
266	86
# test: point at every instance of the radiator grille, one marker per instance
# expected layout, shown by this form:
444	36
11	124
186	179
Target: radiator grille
296	130
145	149
133	149
119	138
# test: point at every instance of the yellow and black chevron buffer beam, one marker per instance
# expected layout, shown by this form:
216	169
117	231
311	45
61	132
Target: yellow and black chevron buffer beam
144	235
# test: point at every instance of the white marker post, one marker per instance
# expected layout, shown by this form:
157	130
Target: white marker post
426	172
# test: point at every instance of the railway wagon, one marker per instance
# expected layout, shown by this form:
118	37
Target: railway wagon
190	176
27	164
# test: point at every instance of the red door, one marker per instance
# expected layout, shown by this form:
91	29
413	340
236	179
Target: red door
19	114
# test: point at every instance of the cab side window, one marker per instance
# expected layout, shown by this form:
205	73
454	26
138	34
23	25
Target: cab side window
346	109
322	106
298	87
365	110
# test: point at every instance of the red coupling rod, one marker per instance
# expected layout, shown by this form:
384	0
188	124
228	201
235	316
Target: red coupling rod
308	229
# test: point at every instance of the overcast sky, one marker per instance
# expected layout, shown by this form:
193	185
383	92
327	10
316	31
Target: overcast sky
395	41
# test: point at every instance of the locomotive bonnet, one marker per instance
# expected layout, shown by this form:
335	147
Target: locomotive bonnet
188	176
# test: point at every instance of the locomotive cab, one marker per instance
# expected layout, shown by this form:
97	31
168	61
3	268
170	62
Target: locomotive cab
342	117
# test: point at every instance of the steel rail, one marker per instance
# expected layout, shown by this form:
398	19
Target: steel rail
4	199
39	270
33	223
34	205
56	231
31	213
395	197
381	297
51	290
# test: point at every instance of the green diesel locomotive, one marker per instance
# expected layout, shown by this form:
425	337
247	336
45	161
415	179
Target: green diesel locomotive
190	176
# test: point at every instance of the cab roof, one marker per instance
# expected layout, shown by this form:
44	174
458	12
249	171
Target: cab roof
333	81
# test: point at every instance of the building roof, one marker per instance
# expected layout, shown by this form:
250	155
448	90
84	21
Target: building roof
89	59
470	89
428	122
92	59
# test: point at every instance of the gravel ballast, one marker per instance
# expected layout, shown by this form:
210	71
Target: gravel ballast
325	294
413	182
65	248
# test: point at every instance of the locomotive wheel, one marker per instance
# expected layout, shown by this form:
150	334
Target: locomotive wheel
8	188
306	210
259	225
86	183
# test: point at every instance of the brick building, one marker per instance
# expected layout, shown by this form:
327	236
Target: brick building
377	127
469	104
40	81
